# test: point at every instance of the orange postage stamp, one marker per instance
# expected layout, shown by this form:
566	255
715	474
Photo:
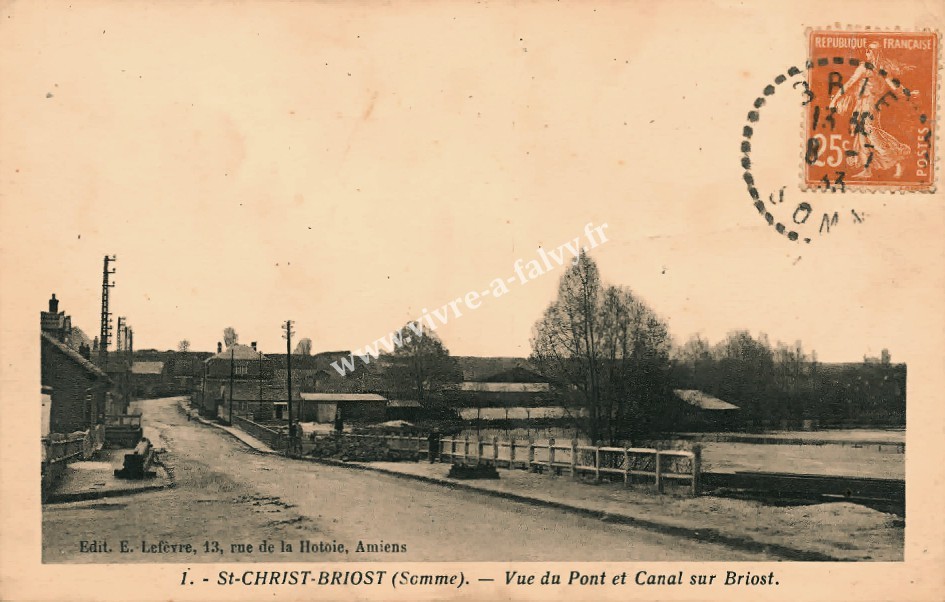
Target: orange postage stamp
870	110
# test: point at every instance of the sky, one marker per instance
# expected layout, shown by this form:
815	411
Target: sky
346	168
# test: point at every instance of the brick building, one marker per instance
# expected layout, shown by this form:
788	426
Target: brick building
77	387
76	391
243	376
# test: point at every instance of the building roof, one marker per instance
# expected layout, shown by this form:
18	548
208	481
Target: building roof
75	356
403	403
237	352
702	400
147	367
501	387
343	397
518	374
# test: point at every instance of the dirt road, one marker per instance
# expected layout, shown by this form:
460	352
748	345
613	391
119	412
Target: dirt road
228	495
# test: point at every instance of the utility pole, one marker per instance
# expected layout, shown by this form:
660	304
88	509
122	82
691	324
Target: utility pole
288	364
120	334
129	352
231	385
106	328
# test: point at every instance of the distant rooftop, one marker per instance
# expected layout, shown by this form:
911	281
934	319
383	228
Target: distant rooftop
75	356
147	367
703	400
500	387
237	352
403	403
335	397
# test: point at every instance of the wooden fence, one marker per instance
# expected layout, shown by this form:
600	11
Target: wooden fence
60	449
630	463
65	448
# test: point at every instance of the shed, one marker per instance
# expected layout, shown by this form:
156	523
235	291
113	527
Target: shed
702	411
356	407
403	409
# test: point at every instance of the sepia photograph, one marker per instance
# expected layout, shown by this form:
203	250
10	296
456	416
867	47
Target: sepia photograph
483	300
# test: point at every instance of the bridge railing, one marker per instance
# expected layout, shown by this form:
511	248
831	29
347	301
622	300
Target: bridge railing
633	464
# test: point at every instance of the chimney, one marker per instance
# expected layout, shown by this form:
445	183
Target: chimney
85	351
219	347
253	345
53	304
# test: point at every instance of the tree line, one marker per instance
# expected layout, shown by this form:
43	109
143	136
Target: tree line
605	352
783	383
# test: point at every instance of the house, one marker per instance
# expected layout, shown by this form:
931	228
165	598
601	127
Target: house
182	372
352	407
77	388
306	371
501	382
241	378
147	378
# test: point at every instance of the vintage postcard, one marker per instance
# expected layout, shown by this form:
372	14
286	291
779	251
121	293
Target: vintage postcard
472	300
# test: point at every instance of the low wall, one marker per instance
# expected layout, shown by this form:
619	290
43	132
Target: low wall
270	437
61	449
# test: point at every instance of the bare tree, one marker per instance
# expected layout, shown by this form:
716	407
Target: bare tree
565	340
745	375
183	346
421	368
604	350
304	347
695	362
230	337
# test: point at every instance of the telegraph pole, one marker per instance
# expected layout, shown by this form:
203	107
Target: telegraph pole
231	384
288	364
120	334
106	328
